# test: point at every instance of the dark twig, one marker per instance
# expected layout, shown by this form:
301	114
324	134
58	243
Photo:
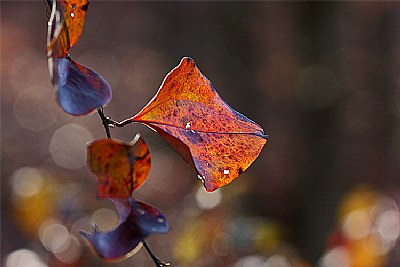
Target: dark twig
156	260
114	123
49	5
105	120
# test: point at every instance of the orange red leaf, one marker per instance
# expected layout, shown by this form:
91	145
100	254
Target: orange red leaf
65	25
219	142
120	167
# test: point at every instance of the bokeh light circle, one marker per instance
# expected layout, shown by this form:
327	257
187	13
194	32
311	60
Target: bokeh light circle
68	146
26	182
34	108
208	200
24	258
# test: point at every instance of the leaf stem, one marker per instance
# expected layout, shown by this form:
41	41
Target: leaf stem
49	6
120	124
156	260
106	121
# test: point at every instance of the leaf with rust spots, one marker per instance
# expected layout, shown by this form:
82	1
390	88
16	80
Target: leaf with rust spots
219	142
65	25
120	168
137	221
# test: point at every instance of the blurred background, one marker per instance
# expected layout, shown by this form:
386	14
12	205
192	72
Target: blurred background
320	77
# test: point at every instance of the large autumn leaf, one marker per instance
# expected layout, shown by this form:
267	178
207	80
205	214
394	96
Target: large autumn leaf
137	221
65	25
219	142
120	167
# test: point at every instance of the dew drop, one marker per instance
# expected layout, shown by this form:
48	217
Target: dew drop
140	211
226	171
187	125
160	220
72	14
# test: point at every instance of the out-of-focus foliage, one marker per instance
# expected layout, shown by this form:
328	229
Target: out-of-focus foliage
321	76
216	140
368	229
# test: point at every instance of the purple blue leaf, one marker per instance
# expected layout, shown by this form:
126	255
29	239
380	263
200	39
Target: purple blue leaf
80	90
137	221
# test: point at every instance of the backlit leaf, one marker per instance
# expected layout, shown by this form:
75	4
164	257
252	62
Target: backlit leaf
65	25
120	167
80	90
137	221
216	140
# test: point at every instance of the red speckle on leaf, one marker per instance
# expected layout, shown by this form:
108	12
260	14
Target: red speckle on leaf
120	167
202	123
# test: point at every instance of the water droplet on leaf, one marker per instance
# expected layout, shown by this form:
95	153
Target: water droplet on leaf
140	211
229	139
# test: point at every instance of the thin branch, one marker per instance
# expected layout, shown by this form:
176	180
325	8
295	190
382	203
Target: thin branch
49	5
156	260
114	123
105	121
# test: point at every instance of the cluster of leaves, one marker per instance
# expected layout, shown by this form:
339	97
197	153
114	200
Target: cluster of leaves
217	141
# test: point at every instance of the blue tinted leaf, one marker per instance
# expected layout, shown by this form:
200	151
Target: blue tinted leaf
148	218
80	90
137	221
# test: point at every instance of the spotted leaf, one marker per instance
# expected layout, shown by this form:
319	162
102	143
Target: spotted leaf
65	25
120	167
219	142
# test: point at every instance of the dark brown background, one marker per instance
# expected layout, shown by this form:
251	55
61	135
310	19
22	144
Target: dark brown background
321	78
